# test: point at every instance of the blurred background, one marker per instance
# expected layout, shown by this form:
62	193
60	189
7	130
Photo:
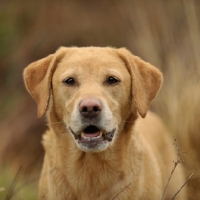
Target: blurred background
164	33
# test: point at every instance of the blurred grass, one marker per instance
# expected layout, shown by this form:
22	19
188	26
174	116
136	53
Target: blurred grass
15	187
164	33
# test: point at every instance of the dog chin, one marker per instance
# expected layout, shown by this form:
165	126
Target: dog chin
93	146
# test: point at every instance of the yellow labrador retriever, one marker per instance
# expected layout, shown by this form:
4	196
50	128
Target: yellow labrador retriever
96	148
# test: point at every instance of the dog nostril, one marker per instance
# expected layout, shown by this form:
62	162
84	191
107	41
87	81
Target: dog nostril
84	109
96	109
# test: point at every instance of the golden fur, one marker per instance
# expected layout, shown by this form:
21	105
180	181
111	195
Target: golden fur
136	162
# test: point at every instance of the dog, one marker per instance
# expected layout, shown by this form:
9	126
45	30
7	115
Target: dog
102	141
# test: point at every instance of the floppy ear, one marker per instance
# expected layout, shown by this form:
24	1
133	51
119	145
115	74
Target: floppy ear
37	78
146	80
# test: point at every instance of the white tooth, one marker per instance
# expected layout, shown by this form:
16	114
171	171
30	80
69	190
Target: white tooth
83	136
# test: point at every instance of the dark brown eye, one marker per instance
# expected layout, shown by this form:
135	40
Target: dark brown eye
112	80
69	81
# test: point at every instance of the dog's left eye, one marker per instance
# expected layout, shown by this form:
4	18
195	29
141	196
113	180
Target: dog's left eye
112	80
69	81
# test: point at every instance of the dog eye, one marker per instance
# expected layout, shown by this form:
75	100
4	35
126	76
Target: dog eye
112	80
69	81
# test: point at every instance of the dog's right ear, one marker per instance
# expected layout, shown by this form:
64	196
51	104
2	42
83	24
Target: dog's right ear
37	78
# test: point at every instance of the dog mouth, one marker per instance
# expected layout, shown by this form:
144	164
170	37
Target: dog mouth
93	134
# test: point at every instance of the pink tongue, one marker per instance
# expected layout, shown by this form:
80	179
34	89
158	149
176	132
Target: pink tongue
92	134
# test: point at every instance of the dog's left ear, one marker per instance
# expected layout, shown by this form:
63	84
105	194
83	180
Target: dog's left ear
37	78
146	80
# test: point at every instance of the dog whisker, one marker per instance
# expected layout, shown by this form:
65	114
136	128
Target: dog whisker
54	123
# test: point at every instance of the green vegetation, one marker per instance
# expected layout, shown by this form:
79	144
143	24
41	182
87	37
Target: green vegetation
13	187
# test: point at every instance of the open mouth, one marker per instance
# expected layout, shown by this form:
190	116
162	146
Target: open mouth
93	134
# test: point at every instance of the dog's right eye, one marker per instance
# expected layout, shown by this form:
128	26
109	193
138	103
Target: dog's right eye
69	81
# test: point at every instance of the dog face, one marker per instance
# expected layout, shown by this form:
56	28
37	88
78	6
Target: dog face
94	90
90	96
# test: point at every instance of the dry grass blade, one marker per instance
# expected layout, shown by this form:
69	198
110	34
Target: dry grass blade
14	188
179	160
175	165
13	184
27	183
121	192
185	183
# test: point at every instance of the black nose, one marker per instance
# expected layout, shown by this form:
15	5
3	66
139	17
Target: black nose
90	107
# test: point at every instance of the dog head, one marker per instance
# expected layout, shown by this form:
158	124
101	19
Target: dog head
93	91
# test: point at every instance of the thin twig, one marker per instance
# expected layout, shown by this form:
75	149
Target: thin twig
25	184
175	165
121	191
185	182
13	184
12	191
179	160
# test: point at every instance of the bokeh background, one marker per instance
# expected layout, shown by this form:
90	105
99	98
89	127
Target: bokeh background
164	33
